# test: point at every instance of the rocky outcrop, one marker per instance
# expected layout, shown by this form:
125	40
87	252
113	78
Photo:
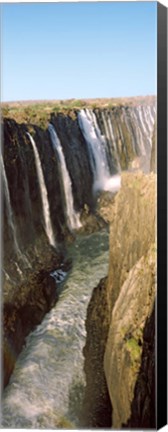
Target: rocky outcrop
126	303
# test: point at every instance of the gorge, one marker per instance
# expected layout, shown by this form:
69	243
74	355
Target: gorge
71	183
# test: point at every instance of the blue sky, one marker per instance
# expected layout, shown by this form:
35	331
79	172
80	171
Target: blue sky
78	50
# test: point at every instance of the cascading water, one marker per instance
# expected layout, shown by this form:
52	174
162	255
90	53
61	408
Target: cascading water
97	154
128	132
95	146
19	254
44	196
9	209
140	123
46	388
72	217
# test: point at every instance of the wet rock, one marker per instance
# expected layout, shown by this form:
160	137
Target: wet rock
25	307
76	156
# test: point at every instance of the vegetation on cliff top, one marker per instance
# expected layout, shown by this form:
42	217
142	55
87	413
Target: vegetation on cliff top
39	112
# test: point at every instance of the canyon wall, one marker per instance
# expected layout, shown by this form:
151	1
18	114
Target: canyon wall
34	197
122	367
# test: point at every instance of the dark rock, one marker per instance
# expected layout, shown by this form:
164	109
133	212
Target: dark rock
96	405
33	300
76	156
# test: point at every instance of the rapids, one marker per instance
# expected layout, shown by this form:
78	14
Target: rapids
46	387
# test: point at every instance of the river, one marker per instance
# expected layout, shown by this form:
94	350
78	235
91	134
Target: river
46	387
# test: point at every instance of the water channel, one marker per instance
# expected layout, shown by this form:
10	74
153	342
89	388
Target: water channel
46	387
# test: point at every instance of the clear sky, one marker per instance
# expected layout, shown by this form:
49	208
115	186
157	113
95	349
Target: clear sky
78	50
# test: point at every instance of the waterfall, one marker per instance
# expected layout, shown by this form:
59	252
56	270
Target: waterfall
140	120
44	196
97	153
146	123
72	217
9	209
19	254
128	130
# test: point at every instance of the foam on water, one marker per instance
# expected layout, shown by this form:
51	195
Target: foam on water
113	183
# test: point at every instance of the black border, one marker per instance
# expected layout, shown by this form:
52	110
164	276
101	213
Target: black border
162	215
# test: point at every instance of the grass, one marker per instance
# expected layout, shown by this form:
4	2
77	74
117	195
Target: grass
39	112
134	349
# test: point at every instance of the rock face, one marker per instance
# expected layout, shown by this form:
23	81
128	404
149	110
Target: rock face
132	228
123	353
143	409
127	304
97	398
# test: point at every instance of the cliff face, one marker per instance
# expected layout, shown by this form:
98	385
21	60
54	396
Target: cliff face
132	228
125	135
23	216
123	354
128	296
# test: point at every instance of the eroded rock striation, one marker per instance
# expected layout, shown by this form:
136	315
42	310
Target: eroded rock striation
120	361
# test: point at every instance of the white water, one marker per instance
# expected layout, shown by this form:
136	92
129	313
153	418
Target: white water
9	209
44	196
113	184
48	380
72	217
19	254
96	148
143	118
146	120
